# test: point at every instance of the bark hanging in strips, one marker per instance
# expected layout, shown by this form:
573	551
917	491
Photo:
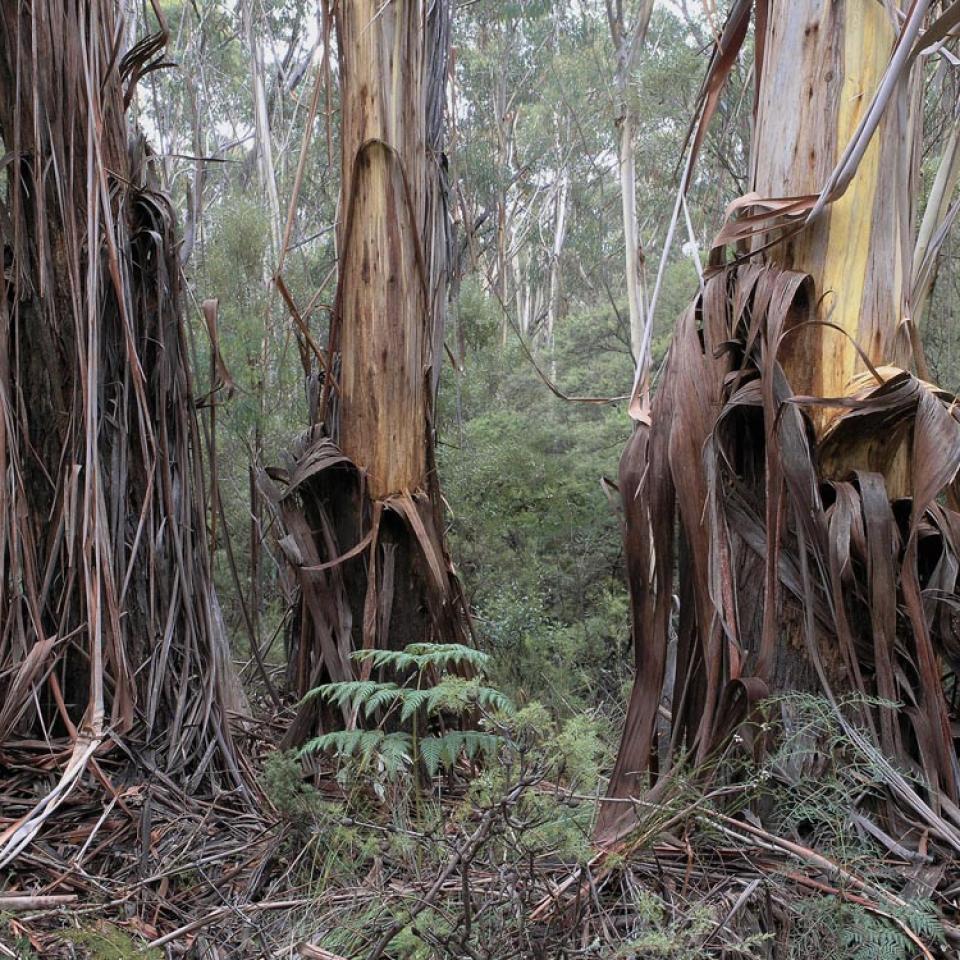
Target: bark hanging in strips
795	485
109	623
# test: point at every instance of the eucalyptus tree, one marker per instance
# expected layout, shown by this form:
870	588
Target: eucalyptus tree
809	466
110	629
628	34
361	505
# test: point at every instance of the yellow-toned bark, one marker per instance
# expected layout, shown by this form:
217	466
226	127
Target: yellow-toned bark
824	62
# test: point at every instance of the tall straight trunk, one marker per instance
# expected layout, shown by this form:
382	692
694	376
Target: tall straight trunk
858	250
392	283
263	142
792	463
366	478
631	235
556	249
938	216
628	39
108	616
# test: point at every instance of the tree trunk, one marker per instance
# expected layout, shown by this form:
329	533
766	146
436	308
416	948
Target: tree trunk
631	238
561	194
627	42
263	141
376	492
803	461
108	616
938	216
858	250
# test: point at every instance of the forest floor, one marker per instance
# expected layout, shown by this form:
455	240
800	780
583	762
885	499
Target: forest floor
337	871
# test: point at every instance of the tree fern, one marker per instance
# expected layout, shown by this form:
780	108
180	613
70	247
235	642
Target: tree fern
343	743
444	751
457	695
365	744
350	693
430	690
398	660
447	655
413	702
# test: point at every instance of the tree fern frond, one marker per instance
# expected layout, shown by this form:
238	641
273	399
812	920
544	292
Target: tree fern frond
344	743
413	701
387	695
493	700
457	695
443	751
446	655
348	692
398	660
396	751
431	753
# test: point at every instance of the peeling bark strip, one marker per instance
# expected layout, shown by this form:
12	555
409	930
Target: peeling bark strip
818	545
361	508
108	616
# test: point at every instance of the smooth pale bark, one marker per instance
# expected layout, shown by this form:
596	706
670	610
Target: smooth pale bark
822	62
559	236
631	238
264	148
627	42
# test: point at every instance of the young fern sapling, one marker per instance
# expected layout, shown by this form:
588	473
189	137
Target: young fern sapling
432	691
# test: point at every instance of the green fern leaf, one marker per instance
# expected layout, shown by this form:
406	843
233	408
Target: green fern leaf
431	753
395	751
493	700
343	743
347	692
387	694
446	655
413	702
398	660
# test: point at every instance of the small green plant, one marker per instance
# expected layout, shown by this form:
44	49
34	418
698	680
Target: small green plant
828	927
434	696
109	942
282	781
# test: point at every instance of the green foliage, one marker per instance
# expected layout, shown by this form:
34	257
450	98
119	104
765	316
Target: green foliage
533	534
429	693
808	780
282	782
421	656
681	936
109	942
827	927
393	750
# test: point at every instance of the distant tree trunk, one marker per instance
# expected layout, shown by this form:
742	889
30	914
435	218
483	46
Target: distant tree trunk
366	479
561	195
108	616
792	464
628	39
938	216
263	144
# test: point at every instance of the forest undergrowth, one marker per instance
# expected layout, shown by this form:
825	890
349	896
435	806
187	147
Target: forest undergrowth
379	846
